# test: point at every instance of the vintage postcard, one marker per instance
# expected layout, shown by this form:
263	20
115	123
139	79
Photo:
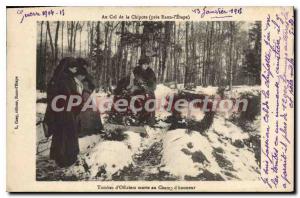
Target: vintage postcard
150	99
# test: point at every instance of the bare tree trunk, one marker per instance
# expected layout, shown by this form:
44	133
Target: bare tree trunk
105	53
51	42
74	37
213	55
62	39
55	43
41	42
44	71
209	72
205	57
98	65
159	59
120	67
230	53
70	36
186	54
165	51
109	70
125	60
145	40
40	66
175	56
80	31
193	66
91	38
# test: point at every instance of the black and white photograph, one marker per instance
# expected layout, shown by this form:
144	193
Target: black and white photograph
148	100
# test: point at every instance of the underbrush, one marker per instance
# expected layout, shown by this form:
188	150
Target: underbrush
245	119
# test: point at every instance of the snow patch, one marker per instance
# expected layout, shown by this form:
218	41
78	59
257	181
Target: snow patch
228	130
243	161
162	91
108	158
195	114
88	142
133	140
237	91
40	95
180	163
193	154
41	108
209	90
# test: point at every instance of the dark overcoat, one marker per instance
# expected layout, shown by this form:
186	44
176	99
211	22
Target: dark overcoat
64	126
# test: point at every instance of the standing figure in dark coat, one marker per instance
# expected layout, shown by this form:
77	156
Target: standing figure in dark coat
143	81
64	125
90	120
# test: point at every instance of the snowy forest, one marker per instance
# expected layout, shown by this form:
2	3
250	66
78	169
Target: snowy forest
194	53
190	60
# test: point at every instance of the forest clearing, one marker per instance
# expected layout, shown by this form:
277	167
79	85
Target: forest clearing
227	150
188	59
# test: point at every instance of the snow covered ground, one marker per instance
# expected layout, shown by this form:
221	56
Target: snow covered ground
223	152
213	155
